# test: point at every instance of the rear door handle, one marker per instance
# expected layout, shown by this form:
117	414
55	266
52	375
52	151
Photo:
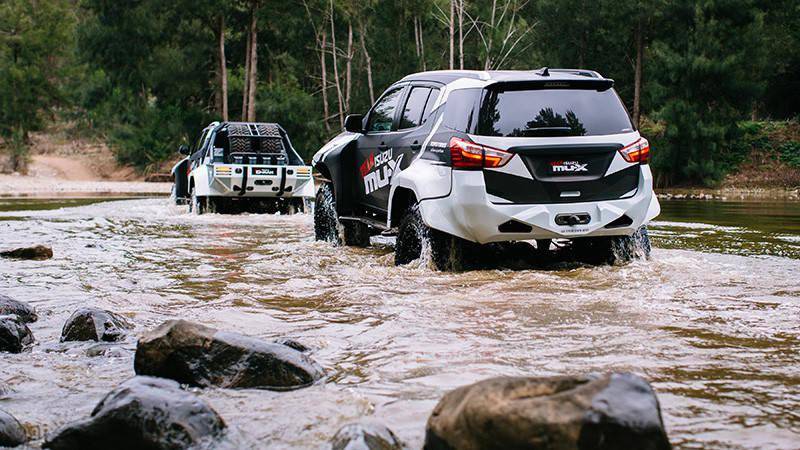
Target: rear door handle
383	147
416	146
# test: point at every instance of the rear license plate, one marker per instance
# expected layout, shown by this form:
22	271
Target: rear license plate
265	171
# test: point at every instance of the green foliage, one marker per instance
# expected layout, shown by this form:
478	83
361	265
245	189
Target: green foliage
34	40
285	102
790	153
706	85
144	74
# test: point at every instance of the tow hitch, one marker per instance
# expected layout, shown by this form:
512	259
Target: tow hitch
573	219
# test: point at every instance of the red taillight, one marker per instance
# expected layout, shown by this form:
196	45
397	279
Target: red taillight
639	152
469	155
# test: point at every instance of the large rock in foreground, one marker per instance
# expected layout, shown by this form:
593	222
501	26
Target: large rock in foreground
92	324
15	336
201	356
616	411
12	434
142	413
25	312
365	436
38	253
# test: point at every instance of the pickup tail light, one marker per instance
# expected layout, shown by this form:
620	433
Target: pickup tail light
639	152
465	154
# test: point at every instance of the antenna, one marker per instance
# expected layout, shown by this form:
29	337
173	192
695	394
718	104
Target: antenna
544	71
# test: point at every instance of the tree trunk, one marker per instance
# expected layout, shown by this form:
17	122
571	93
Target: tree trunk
422	46
416	35
336	69
223	71
251	91
487	64
461	34
348	84
452	32
246	85
324	69
637	84
367	61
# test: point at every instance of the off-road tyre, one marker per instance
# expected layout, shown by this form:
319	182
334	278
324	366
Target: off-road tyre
292	206
614	250
414	237
326	221
197	204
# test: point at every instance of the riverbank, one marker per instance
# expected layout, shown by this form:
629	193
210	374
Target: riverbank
730	193
43	186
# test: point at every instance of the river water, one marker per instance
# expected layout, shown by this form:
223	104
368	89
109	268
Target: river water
712	320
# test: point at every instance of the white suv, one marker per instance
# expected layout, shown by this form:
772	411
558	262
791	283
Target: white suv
242	166
450	160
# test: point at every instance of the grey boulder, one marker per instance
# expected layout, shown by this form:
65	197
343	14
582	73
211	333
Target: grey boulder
15	336
365	436
197	355
614	411
25	312
12	434
93	324
143	413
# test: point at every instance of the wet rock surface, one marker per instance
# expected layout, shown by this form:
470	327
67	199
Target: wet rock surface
93	324
594	412
365	436
15	336
25	312
12	434
37	253
201	356
292	343
142	413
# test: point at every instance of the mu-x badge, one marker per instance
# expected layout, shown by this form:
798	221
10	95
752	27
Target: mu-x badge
377	170
569	166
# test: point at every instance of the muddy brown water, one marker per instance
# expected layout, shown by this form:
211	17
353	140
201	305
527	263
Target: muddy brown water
712	320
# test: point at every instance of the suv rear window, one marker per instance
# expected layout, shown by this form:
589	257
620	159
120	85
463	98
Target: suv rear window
552	112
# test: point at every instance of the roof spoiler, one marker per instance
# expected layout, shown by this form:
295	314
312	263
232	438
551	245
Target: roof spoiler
598	84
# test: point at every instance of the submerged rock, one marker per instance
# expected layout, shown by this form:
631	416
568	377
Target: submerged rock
587	413
14	334
365	436
142	413
12	434
25	312
39	252
93	324
201	356
291	343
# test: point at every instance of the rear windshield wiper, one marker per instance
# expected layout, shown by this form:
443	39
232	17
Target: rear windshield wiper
548	131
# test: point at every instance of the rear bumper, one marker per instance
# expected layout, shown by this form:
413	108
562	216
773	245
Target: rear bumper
468	213
238	180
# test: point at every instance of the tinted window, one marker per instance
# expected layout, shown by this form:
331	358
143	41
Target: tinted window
429	105
553	112
412	113
382	115
459	112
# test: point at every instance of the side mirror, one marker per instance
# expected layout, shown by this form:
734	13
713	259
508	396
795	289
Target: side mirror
183	150
354	123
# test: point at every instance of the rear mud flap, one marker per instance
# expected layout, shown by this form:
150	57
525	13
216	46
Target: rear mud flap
282	187
244	183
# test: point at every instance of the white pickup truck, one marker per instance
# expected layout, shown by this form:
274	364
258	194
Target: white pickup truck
239	166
